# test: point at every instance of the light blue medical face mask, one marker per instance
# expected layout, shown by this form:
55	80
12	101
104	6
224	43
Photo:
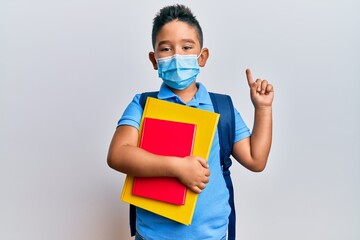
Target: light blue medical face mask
178	71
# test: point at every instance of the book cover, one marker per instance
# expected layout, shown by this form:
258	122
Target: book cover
206	124
167	138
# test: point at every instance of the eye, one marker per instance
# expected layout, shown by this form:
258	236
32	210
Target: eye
165	49
188	47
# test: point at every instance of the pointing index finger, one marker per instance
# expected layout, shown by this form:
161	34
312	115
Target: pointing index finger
249	77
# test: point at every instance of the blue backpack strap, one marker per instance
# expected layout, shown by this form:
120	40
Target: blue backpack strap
132	219
132	211
145	95
226	129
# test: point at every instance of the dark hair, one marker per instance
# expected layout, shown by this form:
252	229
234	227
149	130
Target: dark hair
175	12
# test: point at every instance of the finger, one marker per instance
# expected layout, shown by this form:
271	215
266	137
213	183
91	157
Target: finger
249	78
258	85
207	173
201	186
264	84
269	88
205	180
195	189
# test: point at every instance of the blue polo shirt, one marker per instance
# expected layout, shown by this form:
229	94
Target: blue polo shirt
210	220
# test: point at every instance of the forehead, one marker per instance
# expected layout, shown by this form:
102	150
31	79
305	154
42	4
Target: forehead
177	31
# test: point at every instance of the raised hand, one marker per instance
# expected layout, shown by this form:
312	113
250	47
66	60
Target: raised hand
261	92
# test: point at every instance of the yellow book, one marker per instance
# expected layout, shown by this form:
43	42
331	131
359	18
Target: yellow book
206	123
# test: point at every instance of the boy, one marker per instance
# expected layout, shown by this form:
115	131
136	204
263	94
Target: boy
178	53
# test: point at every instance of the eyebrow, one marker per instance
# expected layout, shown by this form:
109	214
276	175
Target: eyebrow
164	42
188	40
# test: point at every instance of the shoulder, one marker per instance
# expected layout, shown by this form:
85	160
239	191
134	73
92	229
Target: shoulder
132	114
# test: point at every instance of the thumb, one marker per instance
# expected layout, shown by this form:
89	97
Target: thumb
203	162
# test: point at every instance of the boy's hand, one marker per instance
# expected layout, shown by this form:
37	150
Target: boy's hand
194	173
262	93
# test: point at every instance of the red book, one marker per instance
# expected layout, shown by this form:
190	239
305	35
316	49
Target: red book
167	138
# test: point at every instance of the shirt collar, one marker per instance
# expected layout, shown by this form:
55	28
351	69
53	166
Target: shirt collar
201	96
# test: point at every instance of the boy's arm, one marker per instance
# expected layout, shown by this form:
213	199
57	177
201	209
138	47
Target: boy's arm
126	157
253	152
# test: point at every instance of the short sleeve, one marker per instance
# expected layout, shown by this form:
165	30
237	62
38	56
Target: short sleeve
132	114
241	130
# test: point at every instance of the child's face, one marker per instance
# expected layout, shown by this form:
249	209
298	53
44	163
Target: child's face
176	37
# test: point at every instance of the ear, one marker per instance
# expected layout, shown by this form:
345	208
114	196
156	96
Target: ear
203	57
153	60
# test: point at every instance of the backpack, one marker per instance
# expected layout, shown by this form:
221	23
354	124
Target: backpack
226	130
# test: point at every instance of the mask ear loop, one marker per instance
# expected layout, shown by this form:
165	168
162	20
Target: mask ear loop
200	53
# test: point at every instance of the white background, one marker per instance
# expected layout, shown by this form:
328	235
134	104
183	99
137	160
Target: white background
69	68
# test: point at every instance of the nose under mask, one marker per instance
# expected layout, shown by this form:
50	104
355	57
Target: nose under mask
178	71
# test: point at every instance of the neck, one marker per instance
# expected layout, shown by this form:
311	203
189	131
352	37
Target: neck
187	94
